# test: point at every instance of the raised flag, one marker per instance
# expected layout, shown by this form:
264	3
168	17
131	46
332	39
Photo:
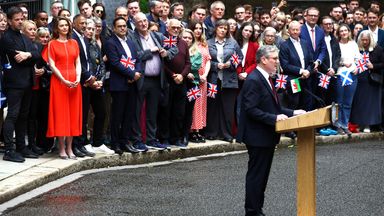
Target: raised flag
346	78
361	65
324	81
281	81
170	42
128	62
193	93
212	90
295	85
235	59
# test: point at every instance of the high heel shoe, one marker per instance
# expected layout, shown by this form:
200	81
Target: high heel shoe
64	157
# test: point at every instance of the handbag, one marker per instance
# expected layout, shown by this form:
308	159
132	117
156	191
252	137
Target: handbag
376	77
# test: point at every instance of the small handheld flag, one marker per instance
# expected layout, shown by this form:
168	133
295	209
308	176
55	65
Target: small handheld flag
324	81
193	93
128	62
365	56
212	90
346	78
281	81
295	85
235	59
170	42
361	65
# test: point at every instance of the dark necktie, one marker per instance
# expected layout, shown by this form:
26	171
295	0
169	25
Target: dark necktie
273	89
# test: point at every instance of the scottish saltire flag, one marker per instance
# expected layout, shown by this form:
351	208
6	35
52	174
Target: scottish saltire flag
361	65
3	100
128	62
235	59
170	42
281	81
295	85
212	90
346	77
324	81
193	93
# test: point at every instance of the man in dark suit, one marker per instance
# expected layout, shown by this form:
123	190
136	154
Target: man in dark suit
151	86
87	81
155	12
314	37
18	58
125	69
373	27
295	59
260	110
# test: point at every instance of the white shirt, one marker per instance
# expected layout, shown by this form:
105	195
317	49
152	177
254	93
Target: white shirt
220	56
375	34
125	46
265	75
327	39
299	50
244	50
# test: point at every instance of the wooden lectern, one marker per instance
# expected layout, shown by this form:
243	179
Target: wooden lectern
305	124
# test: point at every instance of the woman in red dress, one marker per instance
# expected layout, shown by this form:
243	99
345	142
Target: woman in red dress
65	107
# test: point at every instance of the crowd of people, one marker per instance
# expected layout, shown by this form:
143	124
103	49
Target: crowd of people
156	80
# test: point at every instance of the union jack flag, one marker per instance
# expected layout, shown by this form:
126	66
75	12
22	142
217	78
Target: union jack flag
361	65
281	81
365	56
235	59
193	93
128	62
170	42
324	81
212	90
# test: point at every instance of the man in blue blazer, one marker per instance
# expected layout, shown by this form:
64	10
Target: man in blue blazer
373	26
314	36
296	62
260	110
125	67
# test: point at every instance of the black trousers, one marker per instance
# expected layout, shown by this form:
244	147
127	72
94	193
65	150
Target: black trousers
171	116
259	166
150	93
96	99
189	106
220	113
16	121
122	115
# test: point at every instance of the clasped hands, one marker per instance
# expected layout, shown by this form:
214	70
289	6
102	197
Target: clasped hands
222	66
21	56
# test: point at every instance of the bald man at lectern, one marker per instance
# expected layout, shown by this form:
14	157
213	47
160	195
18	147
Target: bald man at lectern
260	110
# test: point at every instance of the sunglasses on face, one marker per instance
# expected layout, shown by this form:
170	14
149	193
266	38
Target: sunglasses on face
99	11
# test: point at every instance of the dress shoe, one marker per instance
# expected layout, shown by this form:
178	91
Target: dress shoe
27	153
228	139
210	137
129	148
193	137
12	155
36	149
87	153
77	152
201	138
117	150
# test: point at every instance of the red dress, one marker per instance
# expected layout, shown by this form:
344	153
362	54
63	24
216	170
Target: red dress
65	106
199	115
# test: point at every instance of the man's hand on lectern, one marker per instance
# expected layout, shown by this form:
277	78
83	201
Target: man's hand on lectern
299	112
281	117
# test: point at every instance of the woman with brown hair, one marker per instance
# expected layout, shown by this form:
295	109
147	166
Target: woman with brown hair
65	104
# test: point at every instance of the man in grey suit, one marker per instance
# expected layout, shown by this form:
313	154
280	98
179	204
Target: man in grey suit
151	87
260	110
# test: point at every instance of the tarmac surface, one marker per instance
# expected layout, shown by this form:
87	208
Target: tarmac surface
349	182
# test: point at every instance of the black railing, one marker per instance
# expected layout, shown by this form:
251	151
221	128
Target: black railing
33	5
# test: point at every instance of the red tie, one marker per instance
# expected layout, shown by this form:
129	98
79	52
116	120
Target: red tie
313	39
273	89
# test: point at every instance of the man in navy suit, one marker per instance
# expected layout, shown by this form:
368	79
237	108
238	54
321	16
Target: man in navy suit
260	110
296	62
314	36
125	69
373	27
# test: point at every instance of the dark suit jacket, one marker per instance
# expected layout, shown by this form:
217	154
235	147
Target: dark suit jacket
85	73
258	113
119	73
321	48
289	58
20	75
229	74
336	55
250	59
145	55
162	26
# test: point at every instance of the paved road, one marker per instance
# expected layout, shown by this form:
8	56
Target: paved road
350	182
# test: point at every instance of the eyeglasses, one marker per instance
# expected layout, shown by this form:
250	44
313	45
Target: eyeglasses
175	27
99	11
